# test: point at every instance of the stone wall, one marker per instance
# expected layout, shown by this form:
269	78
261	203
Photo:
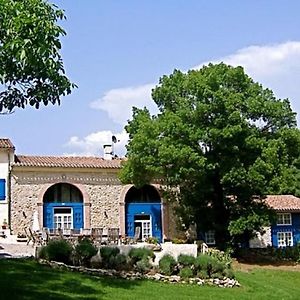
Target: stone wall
101	192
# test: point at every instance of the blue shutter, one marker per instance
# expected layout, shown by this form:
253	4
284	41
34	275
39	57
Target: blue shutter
156	221
2	189
130	225
48	215
78	216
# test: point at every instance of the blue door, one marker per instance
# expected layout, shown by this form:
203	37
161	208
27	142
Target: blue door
135	210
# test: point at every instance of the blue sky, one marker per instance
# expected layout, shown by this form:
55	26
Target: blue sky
115	51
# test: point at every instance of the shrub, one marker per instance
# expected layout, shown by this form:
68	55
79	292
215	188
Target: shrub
118	262
84	250
42	252
108	255
186	273
228	273
210	265
143	265
152	240
137	254
178	241
167	264
221	256
107	252
186	260
59	250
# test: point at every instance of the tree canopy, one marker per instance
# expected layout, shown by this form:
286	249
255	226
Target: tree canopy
223	141
31	67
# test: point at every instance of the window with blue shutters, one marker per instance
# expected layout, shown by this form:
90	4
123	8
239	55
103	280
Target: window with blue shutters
2	189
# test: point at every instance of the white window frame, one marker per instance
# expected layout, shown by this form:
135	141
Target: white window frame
284	219
210	237
286	239
145	223
62	215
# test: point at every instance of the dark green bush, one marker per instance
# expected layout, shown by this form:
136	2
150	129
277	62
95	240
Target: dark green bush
202	274
84	250
118	262
137	254
108	255
107	252
186	273
59	250
209	265
167	264
186	260
42	252
228	273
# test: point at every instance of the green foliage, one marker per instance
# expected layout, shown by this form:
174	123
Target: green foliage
186	260
42	252
167	264
223	141
137	254
152	240
58	250
31	70
221	256
108	255
84	250
211	266
143	265
186	273
118	262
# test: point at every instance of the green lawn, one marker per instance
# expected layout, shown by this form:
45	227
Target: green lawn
28	280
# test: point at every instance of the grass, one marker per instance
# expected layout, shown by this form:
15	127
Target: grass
25	279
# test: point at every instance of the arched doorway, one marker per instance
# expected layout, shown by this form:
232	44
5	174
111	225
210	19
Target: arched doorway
143	209
63	207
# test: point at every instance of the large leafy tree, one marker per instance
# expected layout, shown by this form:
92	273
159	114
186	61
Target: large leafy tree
31	68
221	140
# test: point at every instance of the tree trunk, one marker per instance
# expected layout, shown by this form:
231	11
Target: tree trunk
220	213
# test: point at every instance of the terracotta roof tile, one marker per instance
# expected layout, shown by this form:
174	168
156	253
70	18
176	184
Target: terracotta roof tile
283	202
66	162
6	144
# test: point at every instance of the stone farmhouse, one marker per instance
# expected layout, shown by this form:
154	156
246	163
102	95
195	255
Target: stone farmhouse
76	192
85	192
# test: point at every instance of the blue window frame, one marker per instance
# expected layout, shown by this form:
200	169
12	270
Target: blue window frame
2	189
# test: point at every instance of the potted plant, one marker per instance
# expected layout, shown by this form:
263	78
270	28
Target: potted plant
4	224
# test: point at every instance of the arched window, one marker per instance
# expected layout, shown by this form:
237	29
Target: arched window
146	194
63	192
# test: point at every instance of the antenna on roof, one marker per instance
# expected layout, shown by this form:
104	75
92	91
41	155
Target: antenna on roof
114	141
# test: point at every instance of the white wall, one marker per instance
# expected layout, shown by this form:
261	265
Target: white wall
6	157
262	240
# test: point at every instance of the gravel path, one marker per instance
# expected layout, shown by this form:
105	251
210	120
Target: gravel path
15	250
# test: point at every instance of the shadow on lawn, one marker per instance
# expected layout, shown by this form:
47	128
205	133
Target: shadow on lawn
26	279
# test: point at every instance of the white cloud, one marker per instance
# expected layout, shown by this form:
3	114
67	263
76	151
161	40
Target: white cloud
118	102
275	66
92	144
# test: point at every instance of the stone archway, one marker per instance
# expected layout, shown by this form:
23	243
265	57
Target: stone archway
142	208
85	202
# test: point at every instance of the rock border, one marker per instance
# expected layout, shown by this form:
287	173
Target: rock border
131	275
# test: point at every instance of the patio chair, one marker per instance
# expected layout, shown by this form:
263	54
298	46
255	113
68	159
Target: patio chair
137	234
96	235
34	237
113	235
45	235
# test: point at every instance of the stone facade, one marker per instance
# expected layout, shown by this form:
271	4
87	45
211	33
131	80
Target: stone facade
101	195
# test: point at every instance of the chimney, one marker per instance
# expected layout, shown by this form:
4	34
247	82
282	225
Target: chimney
108	152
